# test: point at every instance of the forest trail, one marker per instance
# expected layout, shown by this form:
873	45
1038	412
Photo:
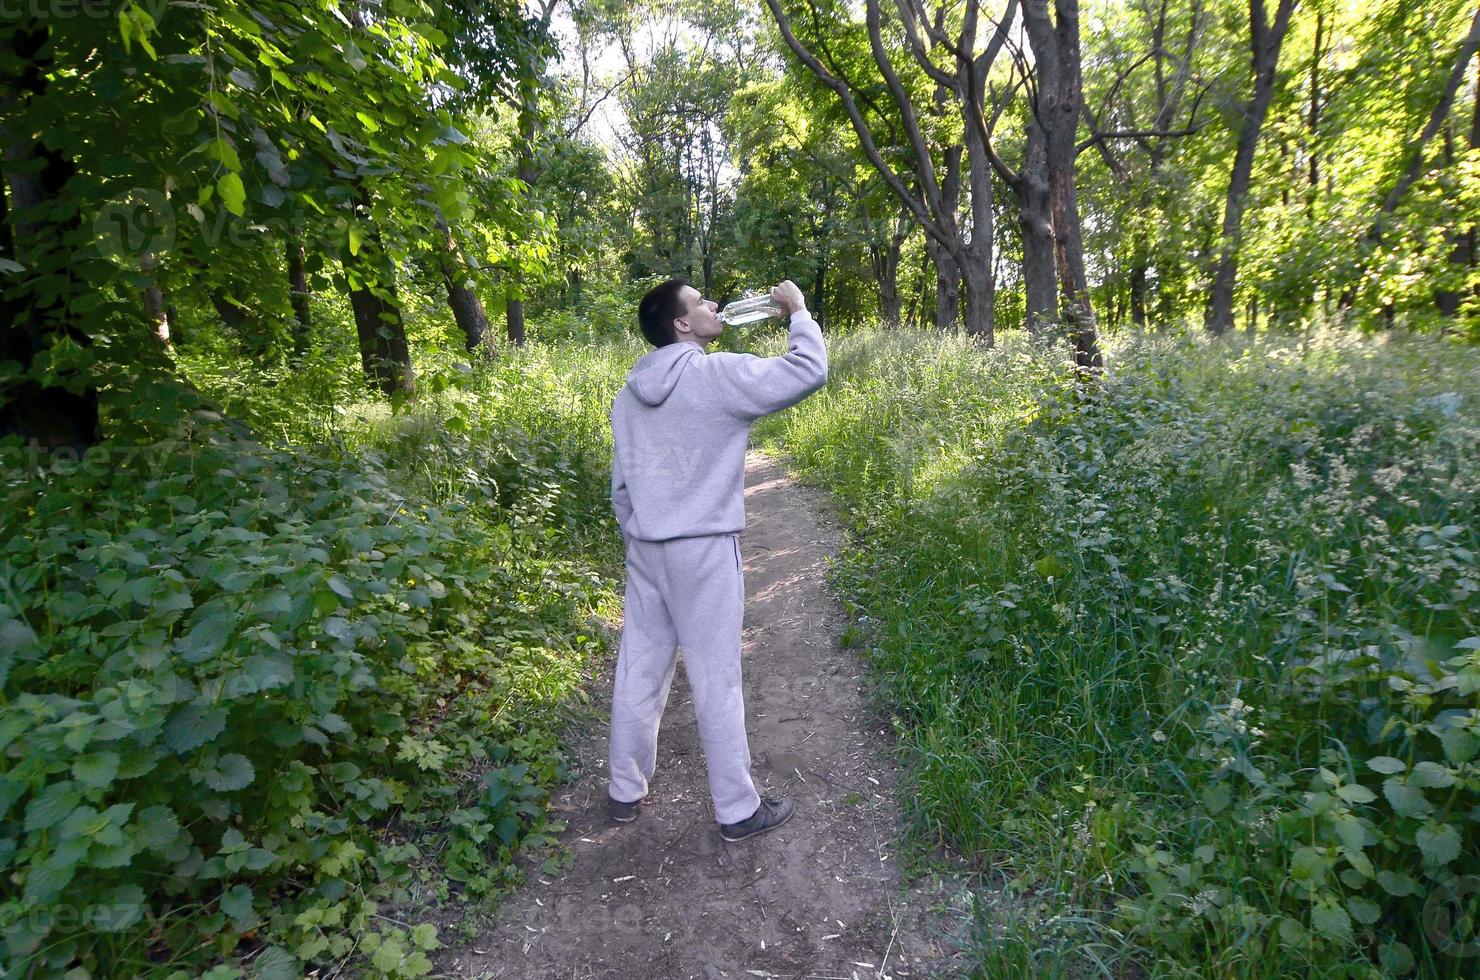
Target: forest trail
664	896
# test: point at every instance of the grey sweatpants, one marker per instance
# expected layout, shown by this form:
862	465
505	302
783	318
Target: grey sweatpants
688	593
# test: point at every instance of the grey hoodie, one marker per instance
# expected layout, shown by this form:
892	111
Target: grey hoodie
681	423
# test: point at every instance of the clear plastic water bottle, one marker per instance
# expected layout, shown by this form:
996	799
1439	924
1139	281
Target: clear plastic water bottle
750	309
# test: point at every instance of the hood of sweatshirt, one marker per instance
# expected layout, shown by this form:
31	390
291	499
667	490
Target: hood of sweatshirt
654	376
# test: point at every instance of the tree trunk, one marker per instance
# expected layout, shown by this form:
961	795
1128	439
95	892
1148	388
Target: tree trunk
947	289
1056	52
39	239
1463	240
1313	138
385	354
1313	122
467	308
1035	219
922	283
884	257
298	294
819	285
528	113
1373	239
154	309
232	315
932	202
1138	280
1265	41
978	275
947	269
573	285
889	305
981	291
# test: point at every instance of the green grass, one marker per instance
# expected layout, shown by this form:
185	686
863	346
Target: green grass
1185	665
1142	643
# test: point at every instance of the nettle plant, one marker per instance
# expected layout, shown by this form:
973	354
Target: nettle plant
225	670
1337	792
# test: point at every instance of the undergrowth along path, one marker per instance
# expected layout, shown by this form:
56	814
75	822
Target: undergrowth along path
664	896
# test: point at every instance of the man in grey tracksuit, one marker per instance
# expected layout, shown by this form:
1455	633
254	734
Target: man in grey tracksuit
679	432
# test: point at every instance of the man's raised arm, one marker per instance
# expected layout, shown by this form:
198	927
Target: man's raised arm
753	387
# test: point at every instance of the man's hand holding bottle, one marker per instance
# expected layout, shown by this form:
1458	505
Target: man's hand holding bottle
788	297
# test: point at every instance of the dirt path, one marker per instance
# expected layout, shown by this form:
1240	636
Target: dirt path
664	896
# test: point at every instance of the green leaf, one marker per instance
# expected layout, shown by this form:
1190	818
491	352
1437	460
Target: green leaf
51	806
1459	745
1386	764
1292	933
11	789
233	193
46	879
1363	910
356	236
1049	567
276	963
425	936
232	772
219	149
1359	861
1355	793
156	828
1431	775
268	672
1308	865
18	637
206	638
1216	797
96	770
1439	843
123	908
173	601
237	903
1397	885
1396	958
1407	800
192	726
1331	921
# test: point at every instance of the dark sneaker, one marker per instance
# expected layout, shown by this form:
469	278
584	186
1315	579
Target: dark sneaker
772	813
622	812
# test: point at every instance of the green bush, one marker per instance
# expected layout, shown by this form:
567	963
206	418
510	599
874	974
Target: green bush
242	684
1190	658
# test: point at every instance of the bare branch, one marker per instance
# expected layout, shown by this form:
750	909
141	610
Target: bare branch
586	116
865	137
928	184
1135	134
917	46
1411	172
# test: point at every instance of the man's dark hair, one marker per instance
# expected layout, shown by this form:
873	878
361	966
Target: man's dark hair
659	308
